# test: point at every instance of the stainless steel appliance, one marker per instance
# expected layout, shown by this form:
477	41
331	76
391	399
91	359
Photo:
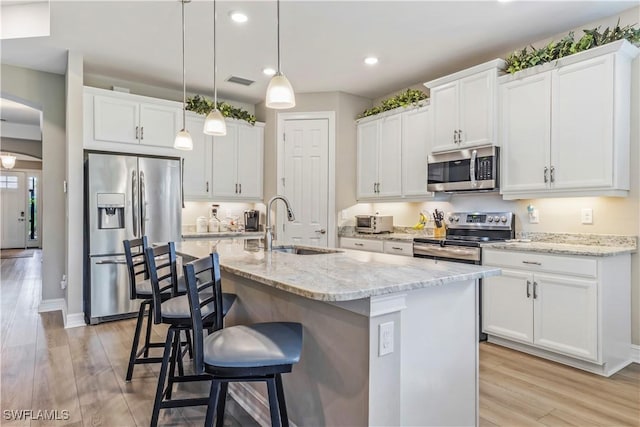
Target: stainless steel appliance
467	231
471	169
374	223
252	220
126	197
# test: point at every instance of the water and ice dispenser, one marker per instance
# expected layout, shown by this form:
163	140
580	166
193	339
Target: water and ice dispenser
110	210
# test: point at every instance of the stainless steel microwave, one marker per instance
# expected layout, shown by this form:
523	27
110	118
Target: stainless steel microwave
469	169
374	224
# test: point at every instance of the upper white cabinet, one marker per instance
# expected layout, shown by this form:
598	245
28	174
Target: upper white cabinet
114	117
392	155
237	163
565	126
379	162
197	163
571	309
464	107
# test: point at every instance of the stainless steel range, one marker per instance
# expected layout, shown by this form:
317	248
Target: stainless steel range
466	232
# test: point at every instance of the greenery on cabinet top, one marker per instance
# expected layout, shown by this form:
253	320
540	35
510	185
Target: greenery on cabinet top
201	105
408	98
525	58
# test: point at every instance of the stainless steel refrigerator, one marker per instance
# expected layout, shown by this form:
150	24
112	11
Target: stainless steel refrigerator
126	197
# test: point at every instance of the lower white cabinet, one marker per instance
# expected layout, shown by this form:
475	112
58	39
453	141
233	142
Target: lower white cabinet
362	244
572	309
398	248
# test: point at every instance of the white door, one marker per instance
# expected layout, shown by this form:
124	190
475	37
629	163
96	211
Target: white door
250	146
159	125
566	315
416	146
116	120
444	101
368	139
225	160
476	101
305	181
197	162
14	212
389	157
525	126
507	305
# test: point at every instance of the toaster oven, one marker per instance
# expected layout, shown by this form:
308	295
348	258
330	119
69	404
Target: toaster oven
374	223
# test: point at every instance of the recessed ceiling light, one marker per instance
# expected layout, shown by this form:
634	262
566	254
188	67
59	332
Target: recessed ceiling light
238	17
269	71
371	60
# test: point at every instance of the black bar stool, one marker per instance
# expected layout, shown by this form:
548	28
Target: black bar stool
258	352
175	312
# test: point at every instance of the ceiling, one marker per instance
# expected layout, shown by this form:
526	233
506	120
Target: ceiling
323	42
14	112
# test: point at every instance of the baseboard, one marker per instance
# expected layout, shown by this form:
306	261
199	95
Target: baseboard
252	402
47	305
73	320
635	353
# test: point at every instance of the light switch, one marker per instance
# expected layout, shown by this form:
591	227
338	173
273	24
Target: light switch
587	216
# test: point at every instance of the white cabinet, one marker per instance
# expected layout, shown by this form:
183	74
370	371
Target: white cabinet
398	248
197	163
131	119
392	155
557	143
572	309
464	107
369	245
379	162
237	163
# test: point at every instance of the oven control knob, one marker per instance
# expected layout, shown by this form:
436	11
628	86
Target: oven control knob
450	219
490	219
496	218
456	219
503	219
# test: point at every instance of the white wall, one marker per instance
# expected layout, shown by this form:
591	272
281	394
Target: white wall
46	92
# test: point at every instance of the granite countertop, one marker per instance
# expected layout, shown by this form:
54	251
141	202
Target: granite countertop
223	234
342	276
561	248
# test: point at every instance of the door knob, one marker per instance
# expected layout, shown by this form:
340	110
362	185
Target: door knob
321	231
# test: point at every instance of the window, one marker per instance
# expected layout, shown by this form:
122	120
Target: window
10	182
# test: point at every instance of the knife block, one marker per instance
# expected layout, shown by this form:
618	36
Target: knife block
440	232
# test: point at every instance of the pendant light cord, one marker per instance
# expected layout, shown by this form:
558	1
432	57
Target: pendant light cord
184	77
278	26
215	68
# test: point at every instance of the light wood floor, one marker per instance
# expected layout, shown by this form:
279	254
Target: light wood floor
81	370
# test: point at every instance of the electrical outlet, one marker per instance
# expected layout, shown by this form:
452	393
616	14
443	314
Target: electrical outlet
587	216
534	216
385	338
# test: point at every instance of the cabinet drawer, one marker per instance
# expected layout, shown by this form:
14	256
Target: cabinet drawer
575	266
362	244
398	248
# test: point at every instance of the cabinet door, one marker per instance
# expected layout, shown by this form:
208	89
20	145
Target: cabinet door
115	120
566	315
250	146
159	125
416	146
444	101
224	162
507	305
582	138
390	157
197	162
476	103
525	126
368	135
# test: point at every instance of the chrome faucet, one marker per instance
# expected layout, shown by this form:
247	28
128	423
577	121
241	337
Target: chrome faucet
268	232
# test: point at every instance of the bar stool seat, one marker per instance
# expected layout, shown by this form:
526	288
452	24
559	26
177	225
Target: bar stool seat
143	288
176	310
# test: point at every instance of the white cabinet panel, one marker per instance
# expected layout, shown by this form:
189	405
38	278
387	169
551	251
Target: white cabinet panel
389	157
115	119
507	305
250	156
444	100
362	244
476	105
398	248
159	125
197	162
225	163
416	146
368	136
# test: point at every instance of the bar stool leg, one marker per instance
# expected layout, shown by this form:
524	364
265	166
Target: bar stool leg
222	400
162	376
148	335
214	395
136	341
273	402
281	402
175	348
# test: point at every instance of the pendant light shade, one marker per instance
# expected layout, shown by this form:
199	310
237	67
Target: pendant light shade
8	161
280	94
183	139
214	124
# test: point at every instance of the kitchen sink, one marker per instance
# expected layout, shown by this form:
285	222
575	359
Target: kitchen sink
304	250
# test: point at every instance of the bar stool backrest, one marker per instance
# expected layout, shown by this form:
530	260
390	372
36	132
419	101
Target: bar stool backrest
163	275
199	296
136	262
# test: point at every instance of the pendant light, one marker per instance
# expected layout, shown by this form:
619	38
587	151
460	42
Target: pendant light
214	124
8	161
183	139
280	94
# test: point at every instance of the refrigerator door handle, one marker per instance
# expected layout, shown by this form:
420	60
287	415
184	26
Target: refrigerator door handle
134	208
143	204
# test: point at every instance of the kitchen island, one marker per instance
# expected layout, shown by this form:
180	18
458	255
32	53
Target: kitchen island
388	340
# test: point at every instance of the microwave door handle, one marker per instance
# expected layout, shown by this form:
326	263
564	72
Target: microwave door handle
472	167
